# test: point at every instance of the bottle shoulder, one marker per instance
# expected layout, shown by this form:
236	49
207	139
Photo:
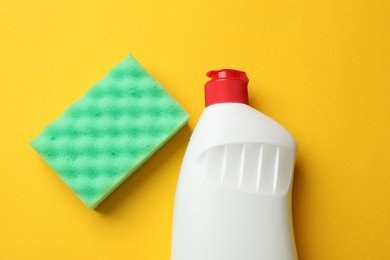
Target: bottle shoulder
233	123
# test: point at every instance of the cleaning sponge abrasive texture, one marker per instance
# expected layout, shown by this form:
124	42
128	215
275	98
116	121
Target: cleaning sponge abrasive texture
106	135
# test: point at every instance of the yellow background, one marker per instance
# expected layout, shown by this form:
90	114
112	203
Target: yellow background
321	68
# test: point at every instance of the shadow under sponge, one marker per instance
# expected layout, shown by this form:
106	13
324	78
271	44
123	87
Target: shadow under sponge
101	139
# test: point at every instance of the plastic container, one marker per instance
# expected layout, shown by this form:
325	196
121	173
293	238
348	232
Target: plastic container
233	198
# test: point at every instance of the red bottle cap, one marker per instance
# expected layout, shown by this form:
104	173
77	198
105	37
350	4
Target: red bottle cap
226	85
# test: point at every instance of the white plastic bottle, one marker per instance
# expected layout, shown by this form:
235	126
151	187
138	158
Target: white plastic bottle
233	198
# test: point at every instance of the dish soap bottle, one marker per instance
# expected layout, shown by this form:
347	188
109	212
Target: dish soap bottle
233	198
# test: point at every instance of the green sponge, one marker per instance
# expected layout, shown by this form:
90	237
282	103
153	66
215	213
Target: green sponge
101	139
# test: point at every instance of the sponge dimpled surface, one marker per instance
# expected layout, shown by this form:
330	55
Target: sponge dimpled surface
101	139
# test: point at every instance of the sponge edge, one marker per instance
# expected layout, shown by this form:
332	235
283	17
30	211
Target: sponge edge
102	138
